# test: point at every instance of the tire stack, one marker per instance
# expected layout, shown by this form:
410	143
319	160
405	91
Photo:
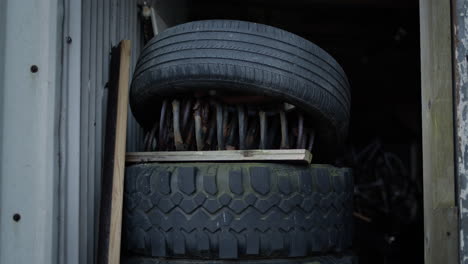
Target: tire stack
242	212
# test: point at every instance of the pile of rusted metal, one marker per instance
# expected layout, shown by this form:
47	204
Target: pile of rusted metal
189	124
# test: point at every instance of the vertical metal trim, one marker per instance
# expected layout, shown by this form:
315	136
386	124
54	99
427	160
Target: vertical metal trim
98	127
70	135
84	121
91	155
460	67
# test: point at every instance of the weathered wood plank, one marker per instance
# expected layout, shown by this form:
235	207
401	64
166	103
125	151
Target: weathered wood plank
297	155
110	226
440	218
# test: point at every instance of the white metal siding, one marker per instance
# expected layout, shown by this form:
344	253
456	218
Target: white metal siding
29	120
52	121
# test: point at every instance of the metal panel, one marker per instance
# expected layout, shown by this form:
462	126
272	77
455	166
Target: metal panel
460	30
30	33
52	122
103	24
69	135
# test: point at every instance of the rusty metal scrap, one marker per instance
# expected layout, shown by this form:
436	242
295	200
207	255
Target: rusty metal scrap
208	124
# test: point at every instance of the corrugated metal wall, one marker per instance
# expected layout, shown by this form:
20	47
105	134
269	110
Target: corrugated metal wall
104	24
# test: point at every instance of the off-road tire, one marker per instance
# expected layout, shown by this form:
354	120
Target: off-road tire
237	210
311	260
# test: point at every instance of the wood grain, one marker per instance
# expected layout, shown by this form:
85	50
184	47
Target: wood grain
293	155
110	225
440	218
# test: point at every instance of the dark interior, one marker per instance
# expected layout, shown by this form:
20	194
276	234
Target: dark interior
377	44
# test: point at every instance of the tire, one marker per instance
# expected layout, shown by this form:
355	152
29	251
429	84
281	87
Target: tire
312	260
243	57
237	211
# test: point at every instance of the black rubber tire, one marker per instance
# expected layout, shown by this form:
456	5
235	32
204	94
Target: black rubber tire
311	260
237	210
244	57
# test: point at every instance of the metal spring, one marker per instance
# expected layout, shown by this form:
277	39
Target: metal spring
212	125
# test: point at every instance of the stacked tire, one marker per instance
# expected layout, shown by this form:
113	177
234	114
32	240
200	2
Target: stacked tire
248	212
236	57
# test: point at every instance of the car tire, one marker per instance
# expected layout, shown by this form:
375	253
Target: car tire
237	210
237	57
345	259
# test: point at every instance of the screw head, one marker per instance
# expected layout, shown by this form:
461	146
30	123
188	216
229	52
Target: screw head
16	217
69	40
34	68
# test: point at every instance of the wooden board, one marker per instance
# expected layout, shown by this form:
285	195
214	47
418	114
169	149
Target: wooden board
440	213
110	222
297	155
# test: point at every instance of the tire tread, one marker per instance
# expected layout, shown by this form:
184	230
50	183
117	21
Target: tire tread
249	210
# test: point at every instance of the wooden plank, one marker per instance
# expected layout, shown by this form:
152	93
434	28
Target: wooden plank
110	224
297	155
440	217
